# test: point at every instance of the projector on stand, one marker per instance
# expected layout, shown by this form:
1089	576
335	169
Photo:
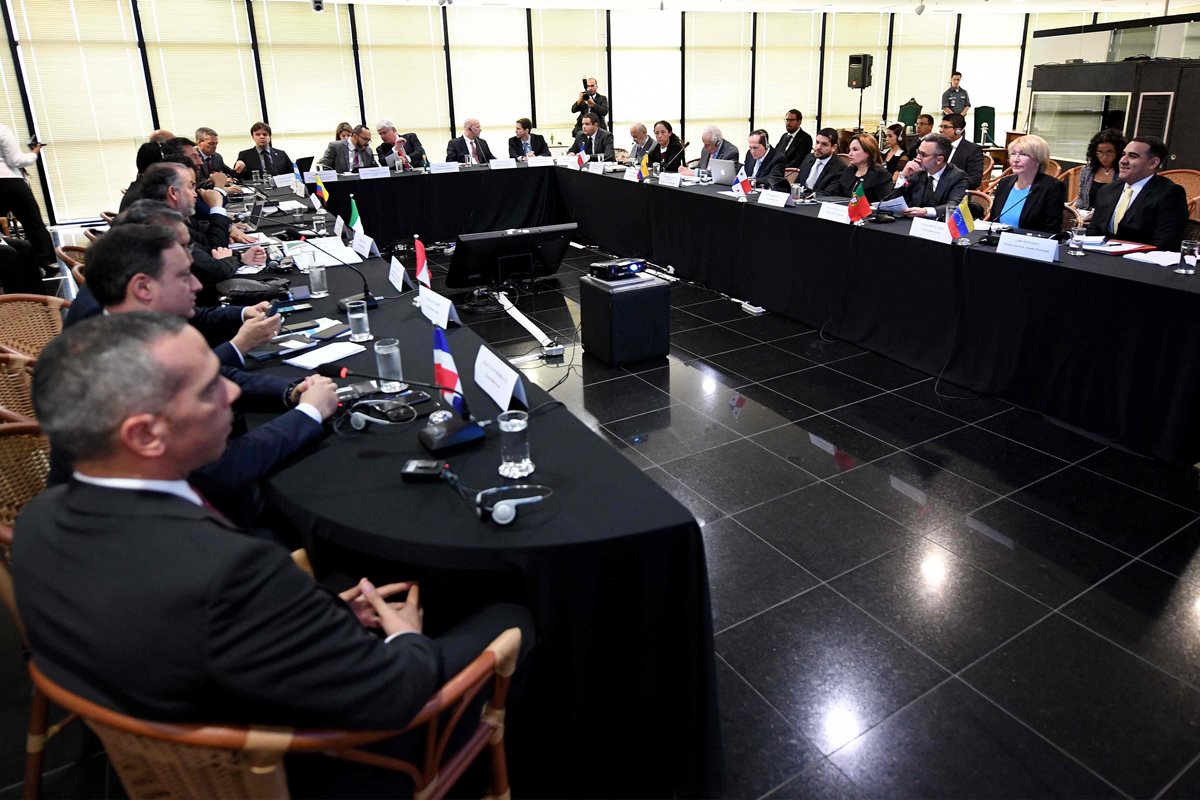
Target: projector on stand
617	269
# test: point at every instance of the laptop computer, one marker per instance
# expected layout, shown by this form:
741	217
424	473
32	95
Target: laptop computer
724	172
255	215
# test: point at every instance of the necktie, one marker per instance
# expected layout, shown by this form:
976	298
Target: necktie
208	165
475	153
815	174
1122	207
785	141
525	148
592	146
355	162
262	157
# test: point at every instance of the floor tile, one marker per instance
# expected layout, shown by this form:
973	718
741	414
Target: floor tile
815	348
1043	558
825	531
953	400
760	362
670	433
952	743
823	446
821	780
624	448
681	320
1187	787
949	610
683	294
701	509
1149	612
737	475
1127	721
895	420
1113	513
768	327
978	455
692	381
1036	431
821	388
821	662
619	398
1177	484
1177	555
746	574
710	340
718	310
879	371
749	409
761	748
913	492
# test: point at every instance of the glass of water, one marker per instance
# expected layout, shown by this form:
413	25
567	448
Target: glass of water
319	223
258	177
514	444
317	283
1189	251
360	324
387	366
302	260
1075	244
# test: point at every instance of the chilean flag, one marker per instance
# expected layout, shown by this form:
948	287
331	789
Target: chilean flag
422	267
444	371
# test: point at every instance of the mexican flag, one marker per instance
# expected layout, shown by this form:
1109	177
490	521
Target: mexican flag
355	220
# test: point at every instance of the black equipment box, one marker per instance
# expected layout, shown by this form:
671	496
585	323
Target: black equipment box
625	321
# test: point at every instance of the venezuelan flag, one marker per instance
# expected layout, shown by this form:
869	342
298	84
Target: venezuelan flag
959	221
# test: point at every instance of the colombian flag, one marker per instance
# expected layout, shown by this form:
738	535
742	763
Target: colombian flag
859	207
321	191
960	222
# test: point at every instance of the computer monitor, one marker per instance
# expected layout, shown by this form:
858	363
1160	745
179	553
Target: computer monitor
492	257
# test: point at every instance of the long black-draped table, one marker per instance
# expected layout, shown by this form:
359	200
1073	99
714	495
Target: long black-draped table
620	696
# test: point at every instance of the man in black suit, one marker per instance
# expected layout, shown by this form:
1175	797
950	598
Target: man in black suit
763	162
965	155
820	171
469	148
931	182
395	146
175	185
186	618
263	156
643	142
795	144
350	154
590	101
713	147
207	141
923	128
525	142
593	141
1142	206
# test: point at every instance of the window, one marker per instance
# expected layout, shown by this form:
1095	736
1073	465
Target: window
489	62
922	60
647	72
787	68
567	46
846	35
717	63
989	56
14	117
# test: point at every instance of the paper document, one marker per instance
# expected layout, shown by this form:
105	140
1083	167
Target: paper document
327	251
324	355
291	205
1161	258
894	206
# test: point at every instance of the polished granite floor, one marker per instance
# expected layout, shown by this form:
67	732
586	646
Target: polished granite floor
916	592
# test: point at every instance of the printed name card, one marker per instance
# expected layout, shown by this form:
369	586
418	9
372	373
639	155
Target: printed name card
835	212
631	174
540	161
1034	247
327	175
282	181
398	276
367	173
567	161
364	245
668	179
596	167
501	382
436	308
932	229
778	199
310	177
503	163
438	167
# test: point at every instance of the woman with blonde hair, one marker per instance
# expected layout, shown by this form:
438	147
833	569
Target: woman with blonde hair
1029	198
866	167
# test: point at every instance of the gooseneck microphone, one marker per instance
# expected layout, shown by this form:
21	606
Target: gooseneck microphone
366	292
667	163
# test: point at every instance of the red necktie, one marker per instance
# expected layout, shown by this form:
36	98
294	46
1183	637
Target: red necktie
475	153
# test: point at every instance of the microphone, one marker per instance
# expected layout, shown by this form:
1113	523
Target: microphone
677	155
366	292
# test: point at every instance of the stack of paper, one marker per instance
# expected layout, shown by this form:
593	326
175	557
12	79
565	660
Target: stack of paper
329	251
1161	258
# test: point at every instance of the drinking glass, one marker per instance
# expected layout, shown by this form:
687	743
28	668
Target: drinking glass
360	324
387	366
1189	251
1075	245
302	260
514	444
317	284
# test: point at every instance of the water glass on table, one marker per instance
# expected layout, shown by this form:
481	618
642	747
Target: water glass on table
388	367
1189	251
317	283
514	444
1075	244
360	324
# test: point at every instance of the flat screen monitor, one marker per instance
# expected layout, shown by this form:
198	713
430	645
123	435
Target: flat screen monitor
492	257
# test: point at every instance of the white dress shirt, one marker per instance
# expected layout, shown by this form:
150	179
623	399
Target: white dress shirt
12	160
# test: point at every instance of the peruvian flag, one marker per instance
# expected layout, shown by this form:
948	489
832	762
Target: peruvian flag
860	209
742	184
422	266
444	371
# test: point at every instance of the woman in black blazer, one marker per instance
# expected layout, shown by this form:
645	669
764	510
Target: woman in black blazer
669	151
866	166
1029	198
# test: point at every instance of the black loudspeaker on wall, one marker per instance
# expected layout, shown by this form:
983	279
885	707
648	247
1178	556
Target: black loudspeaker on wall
860	71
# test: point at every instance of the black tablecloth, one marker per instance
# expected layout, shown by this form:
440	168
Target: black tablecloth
621	699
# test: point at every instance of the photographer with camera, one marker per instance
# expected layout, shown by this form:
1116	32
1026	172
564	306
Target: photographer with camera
590	101
17	198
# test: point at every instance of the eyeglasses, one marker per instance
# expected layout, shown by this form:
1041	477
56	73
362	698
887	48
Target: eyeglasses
946	126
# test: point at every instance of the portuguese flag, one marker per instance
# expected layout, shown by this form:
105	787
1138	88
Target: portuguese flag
859	207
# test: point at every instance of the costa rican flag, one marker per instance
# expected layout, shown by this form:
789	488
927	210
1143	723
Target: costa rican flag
422	267
444	371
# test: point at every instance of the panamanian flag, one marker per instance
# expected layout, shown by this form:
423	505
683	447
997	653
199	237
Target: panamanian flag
422	266
742	184
444	371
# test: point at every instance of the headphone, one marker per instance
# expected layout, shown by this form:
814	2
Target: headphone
359	420
502	512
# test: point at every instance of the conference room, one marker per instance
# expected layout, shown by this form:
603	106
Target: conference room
823	506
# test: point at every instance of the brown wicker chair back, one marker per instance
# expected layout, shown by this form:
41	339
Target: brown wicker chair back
29	321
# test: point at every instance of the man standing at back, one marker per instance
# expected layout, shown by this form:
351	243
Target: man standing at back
955	100
795	144
590	100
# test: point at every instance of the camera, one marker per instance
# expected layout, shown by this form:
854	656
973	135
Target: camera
318	5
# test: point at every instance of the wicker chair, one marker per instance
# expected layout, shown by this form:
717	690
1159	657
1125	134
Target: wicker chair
72	255
1189	179
108	216
990	188
1191	229
695	162
1053	168
1072	217
29	321
159	759
989	164
982	199
24	463
791	173
620	154
93	234
844	158
16	382
1071	179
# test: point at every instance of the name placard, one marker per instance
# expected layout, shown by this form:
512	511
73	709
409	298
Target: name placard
596	167
437	308
310	177
326	175
438	167
503	163
540	161
501	382
367	173
778	199
364	245
567	161
835	212
931	229
282	181
1033	247
631	174
668	179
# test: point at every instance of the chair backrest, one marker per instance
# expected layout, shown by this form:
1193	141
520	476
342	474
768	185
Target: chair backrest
1052	168
1191	229
695	162
29	321
983	199
620	154
108	216
1071	178
1189	179
1072	217
985	114
791	173
167	760
989	164
1194	209
844	158
16	384
991	187
24	465
908	114
92	234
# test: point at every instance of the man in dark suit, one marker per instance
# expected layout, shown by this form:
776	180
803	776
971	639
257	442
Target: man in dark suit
525	142
931	182
820	171
763	163
350	154
595	142
923	128
965	155
395	146
590	101
207	140
1142	206
186	618
469	147
795	144
713	147
175	185
263	156
643	142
